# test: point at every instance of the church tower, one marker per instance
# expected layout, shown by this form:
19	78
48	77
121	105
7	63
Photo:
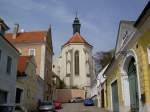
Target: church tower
76	25
75	63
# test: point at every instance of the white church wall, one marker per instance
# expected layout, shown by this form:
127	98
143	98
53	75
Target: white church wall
67	53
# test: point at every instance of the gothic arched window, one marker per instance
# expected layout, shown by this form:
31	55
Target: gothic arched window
68	68
88	69
76	59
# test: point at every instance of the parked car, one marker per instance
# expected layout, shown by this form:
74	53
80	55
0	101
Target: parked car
95	99
88	102
57	104
18	109
76	100
6	108
47	106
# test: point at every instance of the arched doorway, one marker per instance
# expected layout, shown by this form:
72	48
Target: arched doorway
133	85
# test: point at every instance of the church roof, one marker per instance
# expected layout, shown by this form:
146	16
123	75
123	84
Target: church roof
77	38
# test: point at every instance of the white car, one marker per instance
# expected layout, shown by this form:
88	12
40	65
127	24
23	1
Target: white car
76	100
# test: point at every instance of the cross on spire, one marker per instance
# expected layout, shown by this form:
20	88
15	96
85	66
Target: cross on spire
76	14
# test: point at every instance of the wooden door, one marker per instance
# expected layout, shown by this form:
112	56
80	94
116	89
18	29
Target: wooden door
102	98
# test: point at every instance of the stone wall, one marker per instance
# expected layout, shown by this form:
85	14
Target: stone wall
64	95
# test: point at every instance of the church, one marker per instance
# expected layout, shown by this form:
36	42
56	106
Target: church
75	65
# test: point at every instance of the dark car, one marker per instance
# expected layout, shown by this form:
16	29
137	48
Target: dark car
88	102
76	100
46	106
6	108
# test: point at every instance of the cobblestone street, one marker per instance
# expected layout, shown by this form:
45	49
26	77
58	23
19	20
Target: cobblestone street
79	107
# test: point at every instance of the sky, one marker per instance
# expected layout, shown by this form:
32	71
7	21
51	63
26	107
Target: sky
99	18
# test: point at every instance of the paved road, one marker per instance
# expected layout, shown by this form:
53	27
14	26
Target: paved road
79	107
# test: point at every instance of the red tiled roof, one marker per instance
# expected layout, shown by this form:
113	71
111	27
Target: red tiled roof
77	38
22	63
26	37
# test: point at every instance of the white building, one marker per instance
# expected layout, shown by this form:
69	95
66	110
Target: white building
97	88
75	63
100	87
8	68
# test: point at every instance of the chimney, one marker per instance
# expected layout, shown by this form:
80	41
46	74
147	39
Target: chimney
15	30
22	30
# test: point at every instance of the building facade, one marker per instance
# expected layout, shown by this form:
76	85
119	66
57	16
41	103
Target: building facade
75	64
40	88
127	84
8	68
26	84
39	45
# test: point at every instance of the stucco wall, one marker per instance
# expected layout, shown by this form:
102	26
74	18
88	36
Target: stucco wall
28	84
8	81
82	79
25	51
144	70
138	50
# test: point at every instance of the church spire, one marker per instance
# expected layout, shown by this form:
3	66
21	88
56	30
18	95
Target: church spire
76	25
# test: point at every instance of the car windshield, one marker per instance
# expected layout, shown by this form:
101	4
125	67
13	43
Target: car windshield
46	103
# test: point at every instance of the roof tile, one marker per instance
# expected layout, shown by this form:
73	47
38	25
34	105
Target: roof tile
26	37
22	63
77	38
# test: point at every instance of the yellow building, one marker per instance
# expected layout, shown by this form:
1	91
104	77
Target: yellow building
127	85
26	88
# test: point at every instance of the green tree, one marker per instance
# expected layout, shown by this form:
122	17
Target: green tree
61	85
102	58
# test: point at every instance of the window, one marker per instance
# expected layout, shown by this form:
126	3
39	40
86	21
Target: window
18	95
88	69
32	52
148	53
76	63
20	51
9	64
68	70
3	97
28	93
0	54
